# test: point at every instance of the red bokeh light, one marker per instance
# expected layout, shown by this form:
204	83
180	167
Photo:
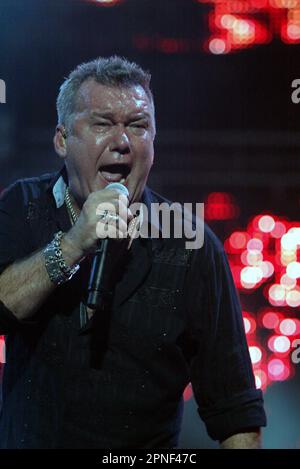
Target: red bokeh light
188	393
279	344
220	206
237	24
289	327
249	323
238	240
255	354
271	319
266	258
261	378
2	349
278	369
233	25
106	3
279	229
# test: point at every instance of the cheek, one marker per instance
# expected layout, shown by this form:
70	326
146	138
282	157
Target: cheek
146	152
84	154
98	141
79	166
143	167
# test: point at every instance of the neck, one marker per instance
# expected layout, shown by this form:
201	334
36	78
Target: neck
76	205
72	206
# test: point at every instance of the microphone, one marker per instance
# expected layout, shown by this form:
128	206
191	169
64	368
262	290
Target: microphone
96	292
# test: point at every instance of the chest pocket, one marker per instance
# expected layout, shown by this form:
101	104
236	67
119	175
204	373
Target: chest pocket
154	315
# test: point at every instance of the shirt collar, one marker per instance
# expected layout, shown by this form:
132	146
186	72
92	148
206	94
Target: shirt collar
59	191
58	188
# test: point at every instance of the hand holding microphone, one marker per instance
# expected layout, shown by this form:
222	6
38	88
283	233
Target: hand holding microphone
107	213
95	290
104	215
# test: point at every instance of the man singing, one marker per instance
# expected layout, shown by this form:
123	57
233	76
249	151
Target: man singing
113	377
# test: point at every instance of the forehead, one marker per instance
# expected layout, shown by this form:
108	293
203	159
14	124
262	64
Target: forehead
95	96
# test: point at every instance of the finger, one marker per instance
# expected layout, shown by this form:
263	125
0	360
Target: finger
118	223
112	232
108	207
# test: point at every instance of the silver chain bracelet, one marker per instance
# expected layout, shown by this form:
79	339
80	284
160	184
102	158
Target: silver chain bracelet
59	272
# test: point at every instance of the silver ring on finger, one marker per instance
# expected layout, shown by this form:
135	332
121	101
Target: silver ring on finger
110	216
103	214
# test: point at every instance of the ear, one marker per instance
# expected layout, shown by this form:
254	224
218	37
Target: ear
59	141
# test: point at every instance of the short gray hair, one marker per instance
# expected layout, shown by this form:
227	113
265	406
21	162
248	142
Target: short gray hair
110	71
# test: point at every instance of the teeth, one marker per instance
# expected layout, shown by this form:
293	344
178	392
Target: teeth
122	181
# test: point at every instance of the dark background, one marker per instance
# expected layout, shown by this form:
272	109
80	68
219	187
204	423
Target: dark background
225	123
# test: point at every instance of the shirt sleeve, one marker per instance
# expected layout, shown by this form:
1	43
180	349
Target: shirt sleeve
221	370
14	243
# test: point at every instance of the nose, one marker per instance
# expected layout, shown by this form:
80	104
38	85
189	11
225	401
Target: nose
120	142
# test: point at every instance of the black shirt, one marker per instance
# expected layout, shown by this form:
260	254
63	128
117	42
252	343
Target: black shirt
173	317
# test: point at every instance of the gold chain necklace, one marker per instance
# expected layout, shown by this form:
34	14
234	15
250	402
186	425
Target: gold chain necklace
73	215
84	317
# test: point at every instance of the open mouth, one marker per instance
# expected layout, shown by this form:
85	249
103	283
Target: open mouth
115	172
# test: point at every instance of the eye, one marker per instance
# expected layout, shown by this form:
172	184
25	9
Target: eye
102	124
139	125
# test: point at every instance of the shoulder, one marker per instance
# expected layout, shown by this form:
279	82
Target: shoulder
150	196
211	250
211	242
28	189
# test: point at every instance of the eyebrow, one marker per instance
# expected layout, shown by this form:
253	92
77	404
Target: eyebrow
109	115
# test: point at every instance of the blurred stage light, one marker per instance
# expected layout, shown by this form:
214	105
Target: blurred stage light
293	298
279	344
106	3
279	230
288	282
251	276
278	370
218	46
266	224
232	26
254	258
293	270
289	326
238	240
243	24
277	295
188	392
255	354
220	206
260	379
249	323
270	320
267	269
255	244
269	248
2	349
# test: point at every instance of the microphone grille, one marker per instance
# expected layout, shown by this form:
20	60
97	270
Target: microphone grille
117	186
